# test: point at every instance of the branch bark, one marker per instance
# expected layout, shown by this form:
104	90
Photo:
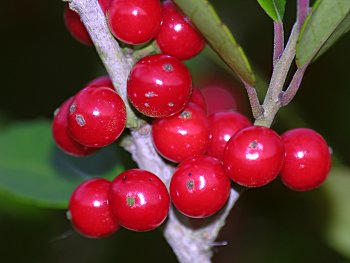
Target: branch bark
189	245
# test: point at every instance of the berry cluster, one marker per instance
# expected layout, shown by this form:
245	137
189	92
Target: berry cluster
136	199
135	22
209	148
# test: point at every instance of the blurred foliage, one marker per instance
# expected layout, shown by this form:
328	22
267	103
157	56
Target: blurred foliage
41	65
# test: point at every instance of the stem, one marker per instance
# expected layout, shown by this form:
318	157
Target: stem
257	109
108	49
303	7
278	45
287	96
272	103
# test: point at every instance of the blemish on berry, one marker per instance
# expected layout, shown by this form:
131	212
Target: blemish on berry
150	179
80	120
130	201
124	178
185	115
72	108
189	174
146	104
168	67
150	94
253	144
171	104
190	184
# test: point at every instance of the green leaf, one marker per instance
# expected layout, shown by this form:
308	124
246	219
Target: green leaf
274	8
219	37
337	187
328	21
34	170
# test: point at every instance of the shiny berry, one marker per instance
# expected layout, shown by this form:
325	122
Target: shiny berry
134	21
183	135
177	36
198	99
61	136
104	4
102	81
159	86
96	117
222	126
254	156
75	27
307	161
139	200
200	187
89	209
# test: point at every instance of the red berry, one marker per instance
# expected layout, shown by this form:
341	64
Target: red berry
307	161
254	156
61	136
134	21
222	126
96	117
104	4
89	210
159	86
198	99
102	81
200	187
177	36
139	200
181	136
76	27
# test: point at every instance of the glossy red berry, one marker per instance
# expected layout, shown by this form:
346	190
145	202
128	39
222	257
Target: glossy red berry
159	86
198	99
89	209
61	136
307	161
181	136
254	156
75	27
200	187
222	126
102	81
104	4
177	36
96	117
134	21
139	200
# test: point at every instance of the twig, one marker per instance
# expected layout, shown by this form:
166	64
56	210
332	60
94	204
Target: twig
303	8
257	109
278	45
287	96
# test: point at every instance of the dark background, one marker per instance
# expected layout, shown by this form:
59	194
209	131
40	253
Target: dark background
41	65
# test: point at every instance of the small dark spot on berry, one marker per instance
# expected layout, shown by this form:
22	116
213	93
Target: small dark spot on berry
168	67
185	115
190	174
150	179
72	108
253	144
190	184
124	177
130	201
80	120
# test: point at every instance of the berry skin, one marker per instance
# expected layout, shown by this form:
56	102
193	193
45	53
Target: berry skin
307	160
134	21
181	136
102	81
75	27
254	156
222	126
159	86
177	36
61	136
198	99
200	187
139	200
97	117
89	209
104	4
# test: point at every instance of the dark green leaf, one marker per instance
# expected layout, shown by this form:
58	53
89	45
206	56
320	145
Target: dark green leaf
204	17
328	21
274	8
338	230
33	169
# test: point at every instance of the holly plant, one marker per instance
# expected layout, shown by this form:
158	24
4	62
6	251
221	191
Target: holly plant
192	161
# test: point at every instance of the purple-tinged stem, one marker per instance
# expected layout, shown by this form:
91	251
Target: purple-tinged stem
278	45
303	10
287	96
257	109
